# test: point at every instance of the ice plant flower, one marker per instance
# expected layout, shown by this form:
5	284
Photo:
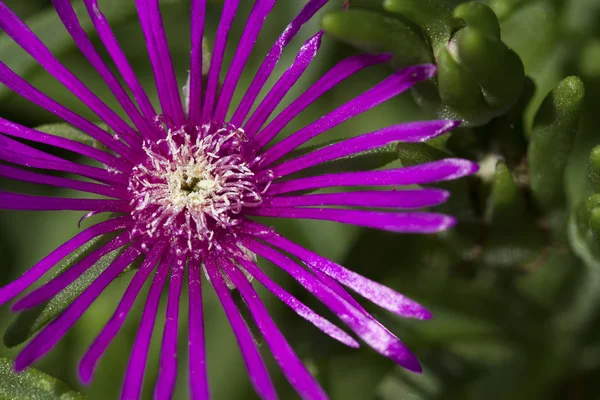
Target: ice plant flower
183	187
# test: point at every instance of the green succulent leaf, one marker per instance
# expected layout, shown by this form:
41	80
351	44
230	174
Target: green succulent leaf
32	385
28	322
552	139
68	131
513	237
373	32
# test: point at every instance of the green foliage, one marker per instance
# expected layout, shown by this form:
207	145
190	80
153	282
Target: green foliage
32	385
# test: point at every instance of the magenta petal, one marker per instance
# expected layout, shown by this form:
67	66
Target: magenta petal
7	171
271	60
198	15
17	201
443	170
37	271
13	129
389	199
134	376
212	82
373	333
373	291
257	370
167	374
284	84
198	377
90	360
299	308
408	222
259	13
385	90
294	370
23	88
408	132
56	329
69	19
160	58
116	54
59	283
342	71
24	37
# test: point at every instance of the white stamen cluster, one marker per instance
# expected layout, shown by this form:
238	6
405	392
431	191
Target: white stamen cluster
191	186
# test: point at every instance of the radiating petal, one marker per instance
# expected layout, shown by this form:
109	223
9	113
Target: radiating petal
340	72
257	370
299	308
18	201
134	376
294	370
404	199
56	329
379	338
88	363
271	60
443	170
37	271
406	222
198	377
408	132
167	374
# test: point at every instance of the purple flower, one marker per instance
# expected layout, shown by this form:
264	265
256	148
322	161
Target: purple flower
182	184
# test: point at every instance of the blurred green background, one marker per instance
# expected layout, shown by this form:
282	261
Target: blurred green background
516	303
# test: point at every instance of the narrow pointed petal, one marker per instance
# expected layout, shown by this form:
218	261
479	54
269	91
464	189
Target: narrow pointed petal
198	15
13	129
408	222
9	172
24	37
18	153
90	360
371	290
23	88
294	369
56	329
408	132
380	93
198	376
271	60
17	201
443	170
373	333
13	289
116	54
299	308
59	283
134	376
167	375
212	83
257	370
257	17
340	72
160	58
404	199
284	84
69	18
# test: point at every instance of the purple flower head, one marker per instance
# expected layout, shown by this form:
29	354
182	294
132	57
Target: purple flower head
182	187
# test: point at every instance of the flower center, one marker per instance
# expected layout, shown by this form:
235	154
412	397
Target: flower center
192	186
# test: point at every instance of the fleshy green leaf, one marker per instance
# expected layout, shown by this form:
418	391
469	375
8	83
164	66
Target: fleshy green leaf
375	33
28	322
552	139
68	131
32	385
